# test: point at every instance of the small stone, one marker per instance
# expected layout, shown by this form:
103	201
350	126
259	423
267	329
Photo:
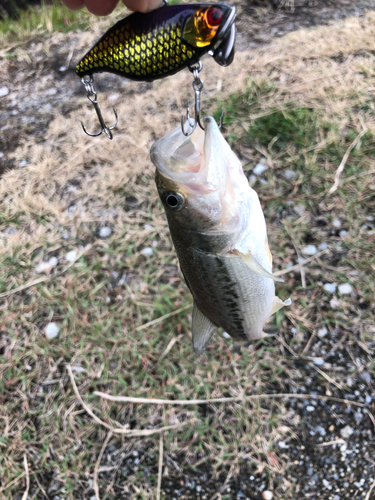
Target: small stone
45	267
300	209
326	484
4	91
322	332
289	174
283	445
334	303
309	250
345	288
310	408
52	91
330	287
336	497
104	232
62	68
366	377
226	335
198	488
148	226
336	223
22	163
52	331
259	169
53	261
343	233
318	361
346	432
114	97
71	256
323	246
263	181
148	251
252	179
368	400
267	495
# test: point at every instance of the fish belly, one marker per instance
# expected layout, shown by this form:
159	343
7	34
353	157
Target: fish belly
229	293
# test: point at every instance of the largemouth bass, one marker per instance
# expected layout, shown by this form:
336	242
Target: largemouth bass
157	44
219	233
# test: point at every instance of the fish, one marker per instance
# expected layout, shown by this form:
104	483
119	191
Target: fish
146	47
219	233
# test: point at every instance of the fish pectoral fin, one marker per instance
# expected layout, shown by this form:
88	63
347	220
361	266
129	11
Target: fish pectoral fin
202	330
254	265
278	304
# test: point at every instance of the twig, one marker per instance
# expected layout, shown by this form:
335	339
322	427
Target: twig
97	465
327	377
328	443
298	266
46	278
160	470
368	496
345	159
119	430
158	320
128	399
24	496
170	345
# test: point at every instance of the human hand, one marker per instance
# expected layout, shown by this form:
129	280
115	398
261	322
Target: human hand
105	7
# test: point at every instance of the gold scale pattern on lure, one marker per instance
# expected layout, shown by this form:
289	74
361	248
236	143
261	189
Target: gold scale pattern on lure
139	53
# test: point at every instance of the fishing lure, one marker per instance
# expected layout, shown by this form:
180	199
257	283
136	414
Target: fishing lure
146	47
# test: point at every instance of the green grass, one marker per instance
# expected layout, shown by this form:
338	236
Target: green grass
39	20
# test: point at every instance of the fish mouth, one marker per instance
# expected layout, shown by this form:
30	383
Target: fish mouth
197	162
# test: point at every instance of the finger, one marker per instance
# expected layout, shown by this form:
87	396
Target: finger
100	7
74	4
142	5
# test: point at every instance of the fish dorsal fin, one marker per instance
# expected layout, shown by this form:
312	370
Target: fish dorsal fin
254	265
202	330
278	304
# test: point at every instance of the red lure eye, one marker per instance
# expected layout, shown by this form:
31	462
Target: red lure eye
214	16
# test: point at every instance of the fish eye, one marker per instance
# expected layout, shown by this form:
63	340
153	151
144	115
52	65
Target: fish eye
174	201
214	16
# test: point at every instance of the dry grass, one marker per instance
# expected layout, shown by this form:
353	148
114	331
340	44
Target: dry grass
74	185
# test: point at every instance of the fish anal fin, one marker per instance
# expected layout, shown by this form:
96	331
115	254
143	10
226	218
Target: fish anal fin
278	304
254	265
202	330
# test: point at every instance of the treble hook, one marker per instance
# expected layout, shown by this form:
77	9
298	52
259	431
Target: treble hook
92	97
198	87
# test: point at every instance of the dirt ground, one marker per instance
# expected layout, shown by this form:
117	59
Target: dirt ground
58	195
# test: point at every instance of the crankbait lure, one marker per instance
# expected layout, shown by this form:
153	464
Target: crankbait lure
146	47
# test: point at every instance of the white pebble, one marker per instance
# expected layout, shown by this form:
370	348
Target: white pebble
323	246
310	408
226	335
53	261
147	251
343	233
259	169
345	289
62	68
300	209
148	226
263	181
330	287
334	303
43	267
71	256
336	223
114	97
346	432
267	495
309	250
318	361
52	91
322	332
22	163
289	174
4	91
252	179
1	154
105	232
52	330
